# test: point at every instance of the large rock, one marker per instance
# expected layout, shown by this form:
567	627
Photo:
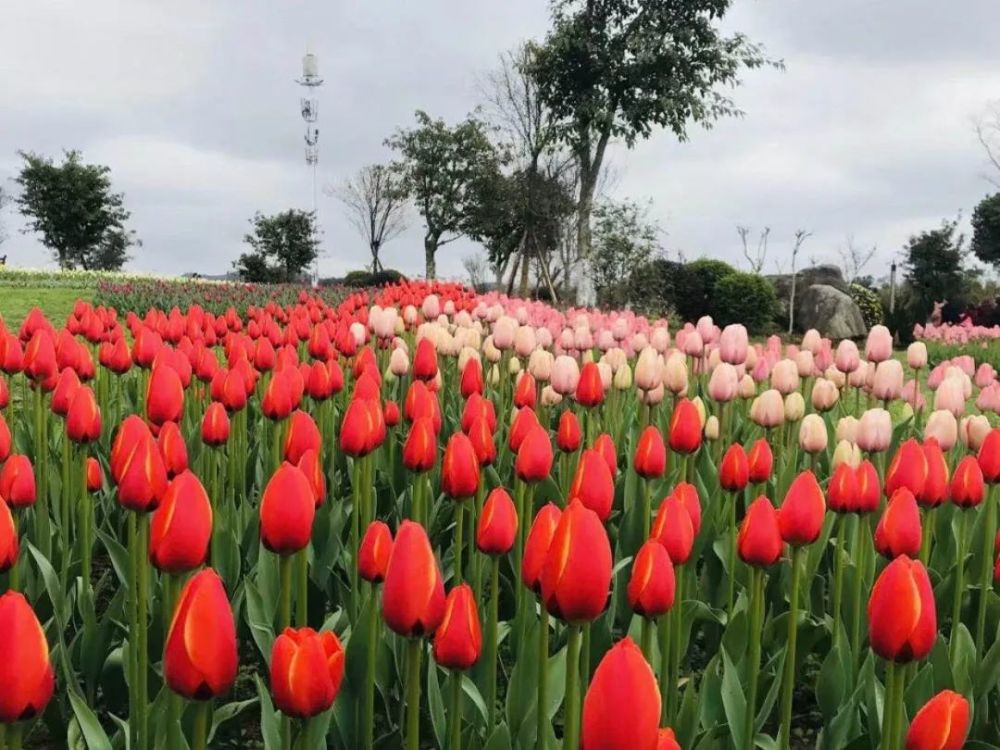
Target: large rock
828	275
830	311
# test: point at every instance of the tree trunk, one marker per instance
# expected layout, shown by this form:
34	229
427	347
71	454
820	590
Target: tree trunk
525	268
376	263
430	263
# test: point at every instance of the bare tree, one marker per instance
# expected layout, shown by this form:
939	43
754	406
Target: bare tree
477	267
801	235
854	258
759	256
5	199
376	204
987	127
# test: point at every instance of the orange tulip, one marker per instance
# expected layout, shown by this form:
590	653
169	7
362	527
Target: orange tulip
650	460
413	594
652	585
576	577
26	677
902	617
593	484
374	552
734	471
459	468
534	456
497	524
759	540
17	481
200	658
94	477
181	528
536	546
306	671
458	640
941	724
9	543
800	517
898	531
83	418
622	708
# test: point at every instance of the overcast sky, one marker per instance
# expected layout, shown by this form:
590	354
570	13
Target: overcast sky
193	105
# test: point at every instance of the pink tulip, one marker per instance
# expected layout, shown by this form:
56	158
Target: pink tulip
768	409
811	341
943	427
733	344
874	431
888	383
916	355
824	395
724	383
785	377
950	396
878	348
565	375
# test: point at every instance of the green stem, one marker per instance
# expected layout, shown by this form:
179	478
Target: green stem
646	638
459	541
889	730
455	741
838	578
788	681
585	661
647	507
860	558
84	524
989	533
956	607
65	500
368	708
541	706
733	531
302	576
357	478
133	634
286	732
674	647
142	560
414	650
571	720
16	733
199	731
756	623
285	612
491	640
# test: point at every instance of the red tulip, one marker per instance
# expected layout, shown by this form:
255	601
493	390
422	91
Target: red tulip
390	413
842	490
83	419
800	517
760	460
476	408
67	385
306	671
459	468
458	640
908	469
311	466
967	488
483	443
734	471
902	618
650	460
759	540
688	495
363	428
472	378
164	395
935	489
9	544
173	450
374	552
685	427
570	435
302	435
622	708
525	392
279	397
17	481
40	356
215	425
524	420
413	593
534	456
26	677
898	531
576	577
652	585
425	364
287	510
590	387
667	740
673	528
420	401
181	528
319	383
593	484
868	490
200	658
497	524
536	546
138	468
941	724
420	448
989	456
606	447
5	439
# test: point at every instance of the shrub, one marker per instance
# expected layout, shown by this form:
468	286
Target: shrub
696	292
745	298
367	278
870	304
652	287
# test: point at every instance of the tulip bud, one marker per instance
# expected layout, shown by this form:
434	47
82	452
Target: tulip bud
83	418
768	409
908	469
734	471
164	395
824	395
622	380
302	435
287	510
941	724
576	576
413	599
989	457
800	517
181	528
420	448
215	425
650	460
141	473
307	669
973	430
363	427
685	428
795	406
967	488
760	461
845	453
675	374
374	552
674	529
622	708
874	431
651	586
497	524
26	673
590	388
569	436
785	377
200	658
536	547
812	434
67	384
935	489
9	543
888	383
534	456
458	640
593	484
173	449
459	468
902	617
898	531
759	540
847	429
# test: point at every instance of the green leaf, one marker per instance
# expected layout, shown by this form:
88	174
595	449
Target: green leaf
436	704
270	727
733	700
500	739
832	683
90	727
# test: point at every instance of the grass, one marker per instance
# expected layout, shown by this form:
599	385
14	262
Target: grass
56	303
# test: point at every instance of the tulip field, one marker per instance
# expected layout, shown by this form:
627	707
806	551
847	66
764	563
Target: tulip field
418	517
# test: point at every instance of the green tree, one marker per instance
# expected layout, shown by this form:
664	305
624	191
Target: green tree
624	239
72	206
444	168
620	68
283	246
934	268
986	230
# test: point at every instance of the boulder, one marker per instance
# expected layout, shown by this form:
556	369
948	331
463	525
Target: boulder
830	311
824	274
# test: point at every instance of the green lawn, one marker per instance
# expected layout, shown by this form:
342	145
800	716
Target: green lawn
56	303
